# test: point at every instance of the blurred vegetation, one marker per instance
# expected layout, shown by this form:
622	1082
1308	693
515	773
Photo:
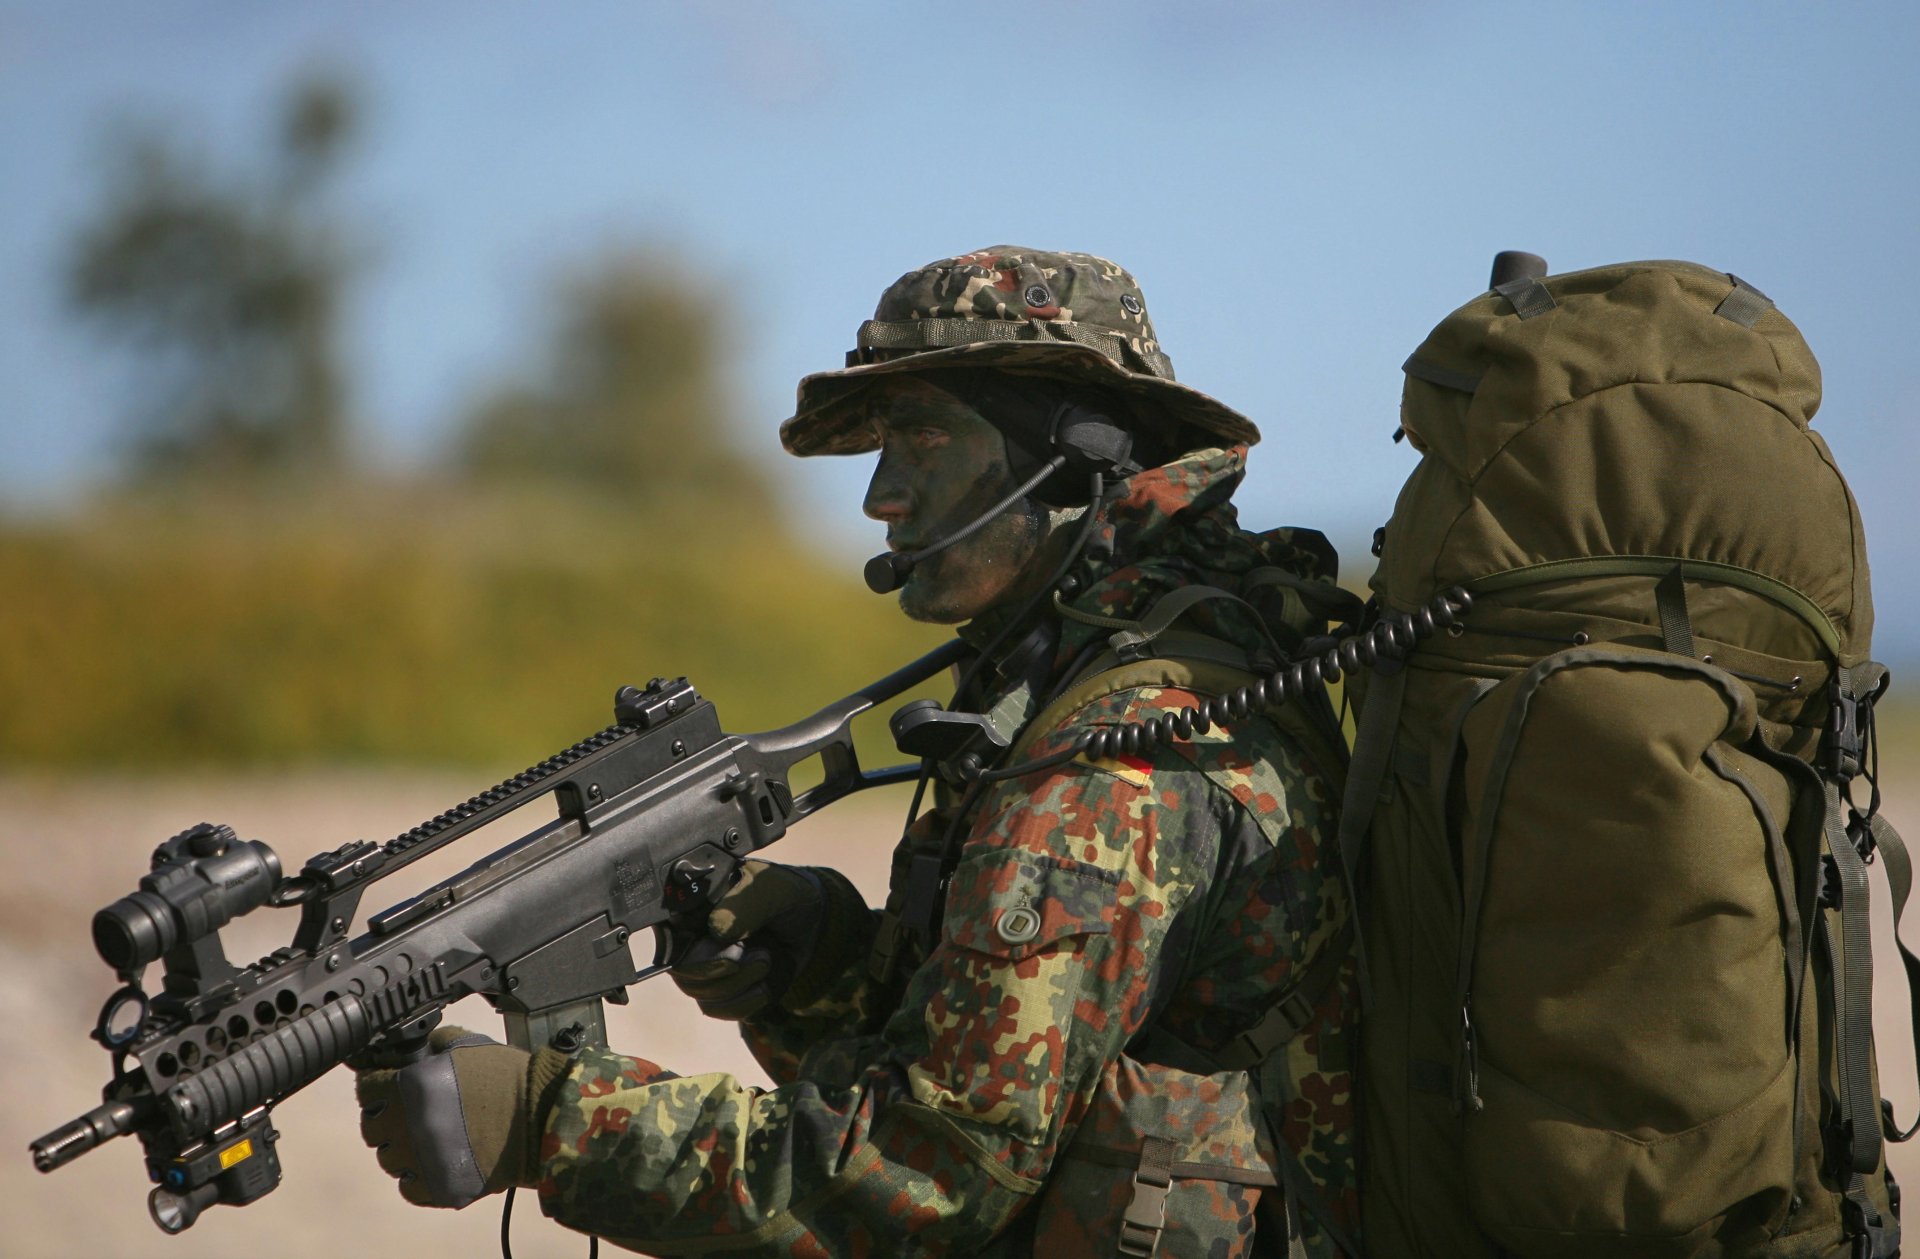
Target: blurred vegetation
424	624
630	399
247	596
227	292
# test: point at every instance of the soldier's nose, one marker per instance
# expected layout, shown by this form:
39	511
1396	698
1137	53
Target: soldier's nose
887	499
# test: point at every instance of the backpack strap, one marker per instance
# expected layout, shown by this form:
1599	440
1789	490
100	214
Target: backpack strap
1851	838
1853	991
1670	601
1373	742
1528	296
1306	599
1286	1017
1899	867
1134	640
1744	305
1205	669
1844	840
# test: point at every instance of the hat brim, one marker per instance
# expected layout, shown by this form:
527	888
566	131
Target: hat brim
822	423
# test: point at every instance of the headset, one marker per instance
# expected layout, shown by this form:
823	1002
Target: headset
1085	448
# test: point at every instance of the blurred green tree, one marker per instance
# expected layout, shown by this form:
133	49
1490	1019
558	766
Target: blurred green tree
630	398
228	292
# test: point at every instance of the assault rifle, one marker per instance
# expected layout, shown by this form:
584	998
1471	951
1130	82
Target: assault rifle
656	812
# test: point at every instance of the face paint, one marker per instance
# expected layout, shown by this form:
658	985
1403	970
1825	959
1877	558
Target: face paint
941	465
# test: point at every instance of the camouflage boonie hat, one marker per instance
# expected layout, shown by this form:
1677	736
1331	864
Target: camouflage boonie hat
1064	316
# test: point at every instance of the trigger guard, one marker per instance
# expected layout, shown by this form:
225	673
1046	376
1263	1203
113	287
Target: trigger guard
670	944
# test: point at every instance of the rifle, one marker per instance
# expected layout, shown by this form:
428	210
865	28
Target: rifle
656	813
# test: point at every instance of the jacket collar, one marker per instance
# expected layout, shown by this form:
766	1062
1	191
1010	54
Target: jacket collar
1171	526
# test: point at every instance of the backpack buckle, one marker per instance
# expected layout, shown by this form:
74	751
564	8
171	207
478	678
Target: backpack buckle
1826	886
1846	733
1872	1238
1132	646
1837	1136
1146	1211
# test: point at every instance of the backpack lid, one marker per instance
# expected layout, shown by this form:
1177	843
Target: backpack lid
1648	409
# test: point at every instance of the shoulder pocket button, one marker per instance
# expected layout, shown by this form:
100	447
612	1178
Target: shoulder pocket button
1018	925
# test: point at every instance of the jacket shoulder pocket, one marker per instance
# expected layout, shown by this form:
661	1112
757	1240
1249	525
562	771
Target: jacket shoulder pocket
1015	904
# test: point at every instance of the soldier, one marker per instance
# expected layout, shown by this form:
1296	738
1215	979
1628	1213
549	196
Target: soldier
1107	1007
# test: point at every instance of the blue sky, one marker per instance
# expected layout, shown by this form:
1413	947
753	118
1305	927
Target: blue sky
1303	191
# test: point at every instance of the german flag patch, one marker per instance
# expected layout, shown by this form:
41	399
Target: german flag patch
1133	770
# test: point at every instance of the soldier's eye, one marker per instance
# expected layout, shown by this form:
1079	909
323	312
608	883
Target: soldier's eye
930	438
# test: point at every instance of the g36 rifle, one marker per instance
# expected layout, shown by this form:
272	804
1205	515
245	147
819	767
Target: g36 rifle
656	812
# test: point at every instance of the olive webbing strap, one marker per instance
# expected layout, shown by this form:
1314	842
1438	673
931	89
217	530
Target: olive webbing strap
1850	1001
1189	646
1445	377
1195	666
1528	295
1133	640
1744	305
1858	1215
1657	566
1799	834
1366	779
1670	600
1853	991
1899	867
1319	598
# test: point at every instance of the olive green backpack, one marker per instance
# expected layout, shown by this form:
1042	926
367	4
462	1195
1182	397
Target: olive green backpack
1615	899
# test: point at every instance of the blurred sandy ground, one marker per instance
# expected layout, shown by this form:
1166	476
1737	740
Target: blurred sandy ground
69	846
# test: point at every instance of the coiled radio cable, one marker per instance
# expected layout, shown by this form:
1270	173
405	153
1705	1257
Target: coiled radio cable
1392	637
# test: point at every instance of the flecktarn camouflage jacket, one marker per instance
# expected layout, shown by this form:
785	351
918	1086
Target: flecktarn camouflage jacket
1105	925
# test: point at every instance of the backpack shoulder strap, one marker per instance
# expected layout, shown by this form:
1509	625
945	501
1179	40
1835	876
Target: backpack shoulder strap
1207	666
1211	669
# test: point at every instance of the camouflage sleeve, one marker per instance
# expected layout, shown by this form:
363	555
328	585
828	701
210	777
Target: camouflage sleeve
857	1003
935	1132
779	1038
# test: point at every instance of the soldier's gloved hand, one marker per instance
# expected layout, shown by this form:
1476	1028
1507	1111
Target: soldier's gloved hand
771	939
460	1123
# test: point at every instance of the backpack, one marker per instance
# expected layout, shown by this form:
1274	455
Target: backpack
1615	936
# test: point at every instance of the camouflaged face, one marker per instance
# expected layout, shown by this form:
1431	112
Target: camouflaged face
991	1103
1062	315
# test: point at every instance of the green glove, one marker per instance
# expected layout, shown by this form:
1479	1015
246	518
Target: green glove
779	934
460	1123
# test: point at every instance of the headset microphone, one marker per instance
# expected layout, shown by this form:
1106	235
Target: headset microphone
1083	441
889	570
